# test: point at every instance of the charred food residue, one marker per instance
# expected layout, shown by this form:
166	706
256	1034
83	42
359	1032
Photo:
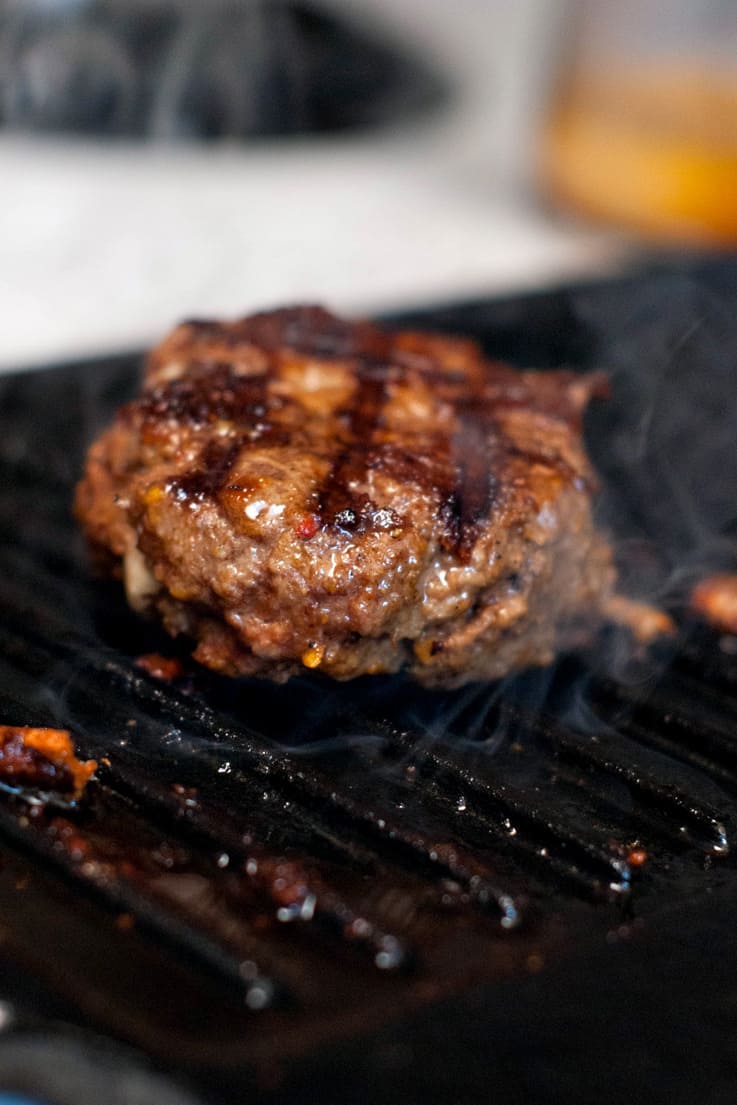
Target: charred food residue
42	759
715	600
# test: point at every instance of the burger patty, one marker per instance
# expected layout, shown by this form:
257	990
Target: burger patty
295	492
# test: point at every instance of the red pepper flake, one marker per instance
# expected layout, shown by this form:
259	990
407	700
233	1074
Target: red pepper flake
307	526
161	667
637	857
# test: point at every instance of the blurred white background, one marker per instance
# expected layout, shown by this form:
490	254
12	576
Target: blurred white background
103	246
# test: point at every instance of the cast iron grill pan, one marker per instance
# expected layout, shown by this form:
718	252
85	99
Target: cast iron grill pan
271	887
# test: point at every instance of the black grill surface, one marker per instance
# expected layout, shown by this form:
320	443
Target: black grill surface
370	892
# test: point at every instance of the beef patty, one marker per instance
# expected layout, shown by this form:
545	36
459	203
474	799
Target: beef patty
295	492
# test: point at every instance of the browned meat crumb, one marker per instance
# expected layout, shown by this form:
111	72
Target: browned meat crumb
645	622
161	667
42	759
299	492
715	600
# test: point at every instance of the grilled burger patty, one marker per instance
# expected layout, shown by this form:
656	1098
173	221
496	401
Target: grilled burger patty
295	491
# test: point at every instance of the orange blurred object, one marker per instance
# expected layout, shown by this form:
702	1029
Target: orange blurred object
643	129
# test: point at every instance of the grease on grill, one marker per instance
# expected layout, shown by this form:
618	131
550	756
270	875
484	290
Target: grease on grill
303	897
42	759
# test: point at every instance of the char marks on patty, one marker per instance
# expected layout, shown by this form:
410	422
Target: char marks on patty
291	485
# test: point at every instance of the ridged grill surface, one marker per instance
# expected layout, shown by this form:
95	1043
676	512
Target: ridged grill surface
301	844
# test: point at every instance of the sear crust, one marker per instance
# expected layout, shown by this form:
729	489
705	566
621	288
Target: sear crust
294	491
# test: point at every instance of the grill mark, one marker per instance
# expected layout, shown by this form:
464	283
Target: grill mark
467	501
339	505
209	392
216	461
458	467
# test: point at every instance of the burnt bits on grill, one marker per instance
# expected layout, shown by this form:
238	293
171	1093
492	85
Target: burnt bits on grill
295	492
42	759
715	600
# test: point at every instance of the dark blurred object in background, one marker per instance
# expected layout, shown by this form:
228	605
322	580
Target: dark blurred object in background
203	69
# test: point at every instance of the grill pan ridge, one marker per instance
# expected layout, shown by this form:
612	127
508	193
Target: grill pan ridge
294	889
